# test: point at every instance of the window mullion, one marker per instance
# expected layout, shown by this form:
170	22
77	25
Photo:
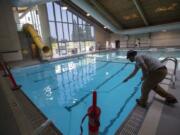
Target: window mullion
56	28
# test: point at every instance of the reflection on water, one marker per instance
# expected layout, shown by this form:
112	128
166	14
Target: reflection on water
48	93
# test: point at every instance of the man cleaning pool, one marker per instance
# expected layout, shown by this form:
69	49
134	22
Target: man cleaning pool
153	73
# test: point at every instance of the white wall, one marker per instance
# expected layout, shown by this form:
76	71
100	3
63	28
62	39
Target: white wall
8	34
169	38
101	36
158	39
123	39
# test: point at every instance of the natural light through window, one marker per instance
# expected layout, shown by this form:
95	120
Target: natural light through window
69	33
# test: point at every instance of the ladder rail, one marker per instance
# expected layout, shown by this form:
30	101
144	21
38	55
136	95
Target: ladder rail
173	78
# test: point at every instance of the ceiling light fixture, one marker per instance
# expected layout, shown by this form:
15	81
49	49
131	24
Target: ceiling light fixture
171	7
164	30
87	14
105	27
64	8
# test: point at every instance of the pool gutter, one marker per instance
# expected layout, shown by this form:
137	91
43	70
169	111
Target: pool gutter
152	119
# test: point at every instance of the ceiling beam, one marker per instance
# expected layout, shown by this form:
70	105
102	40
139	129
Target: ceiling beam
87	7
151	29
140	10
75	9
106	14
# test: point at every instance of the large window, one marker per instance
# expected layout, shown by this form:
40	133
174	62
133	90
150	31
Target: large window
70	34
30	16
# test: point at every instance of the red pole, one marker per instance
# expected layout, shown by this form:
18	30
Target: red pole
94	98
15	86
94	115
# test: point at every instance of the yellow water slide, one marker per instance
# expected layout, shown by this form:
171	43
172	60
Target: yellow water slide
46	51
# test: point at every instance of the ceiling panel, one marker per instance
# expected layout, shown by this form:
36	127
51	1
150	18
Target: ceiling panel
155	11
124	11
161	11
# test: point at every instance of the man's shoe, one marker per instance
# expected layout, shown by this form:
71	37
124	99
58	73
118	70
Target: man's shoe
140	103
171	100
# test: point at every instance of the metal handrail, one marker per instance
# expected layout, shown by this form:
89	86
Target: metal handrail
176	64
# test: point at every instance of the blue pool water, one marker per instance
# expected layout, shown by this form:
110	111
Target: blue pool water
62	90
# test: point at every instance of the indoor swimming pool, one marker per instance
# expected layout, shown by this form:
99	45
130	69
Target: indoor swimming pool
62	90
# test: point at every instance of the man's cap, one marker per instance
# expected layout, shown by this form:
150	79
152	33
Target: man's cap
131	53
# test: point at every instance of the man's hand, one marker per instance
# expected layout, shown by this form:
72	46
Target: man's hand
131	75
125	80
142	78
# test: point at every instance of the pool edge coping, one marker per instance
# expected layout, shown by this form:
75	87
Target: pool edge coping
154	113
14	103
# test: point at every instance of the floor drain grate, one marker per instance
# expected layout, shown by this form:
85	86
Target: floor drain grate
132	125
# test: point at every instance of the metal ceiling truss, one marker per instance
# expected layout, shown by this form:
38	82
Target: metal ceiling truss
141	12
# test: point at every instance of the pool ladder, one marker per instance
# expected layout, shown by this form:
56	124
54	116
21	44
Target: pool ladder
173	76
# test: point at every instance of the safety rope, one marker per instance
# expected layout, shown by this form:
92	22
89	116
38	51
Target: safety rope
83	119
81	128
121	109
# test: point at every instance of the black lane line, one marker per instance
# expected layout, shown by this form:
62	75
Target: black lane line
55	88
79	67
69	108
100	85
84	97
45	78
106	129
79	77
48	68
103	60
50	76
107	63
110	90
40	71
116	62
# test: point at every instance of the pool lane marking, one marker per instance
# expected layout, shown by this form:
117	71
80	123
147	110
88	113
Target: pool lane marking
45	78
50	68
107	63
106	129
68	108
84	97
79	77
65	71
108	79
63	85
111	60
38	72
110	90
49	77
